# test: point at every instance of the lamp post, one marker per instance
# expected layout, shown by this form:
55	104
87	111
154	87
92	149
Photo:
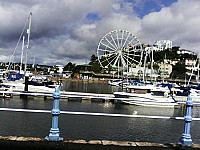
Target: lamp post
54	131
186	139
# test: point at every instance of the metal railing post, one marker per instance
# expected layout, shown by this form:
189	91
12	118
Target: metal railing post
186	139
54	131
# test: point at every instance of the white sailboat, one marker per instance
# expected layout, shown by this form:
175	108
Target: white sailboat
19	74
15	83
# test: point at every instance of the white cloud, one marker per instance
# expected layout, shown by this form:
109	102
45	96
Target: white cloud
61	33
179	23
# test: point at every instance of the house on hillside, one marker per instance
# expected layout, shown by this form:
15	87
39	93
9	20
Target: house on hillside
173	62
85	71
165	70
163	45
184	51
190	64
60	68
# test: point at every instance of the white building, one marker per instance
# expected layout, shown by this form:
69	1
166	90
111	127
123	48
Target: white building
165	70
138	71
163	44
184	51
173	62
190	64
60	68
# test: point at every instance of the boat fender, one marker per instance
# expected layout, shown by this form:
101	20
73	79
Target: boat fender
165	94
174	92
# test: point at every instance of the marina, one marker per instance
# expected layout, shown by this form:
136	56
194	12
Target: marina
71	85
84	127
144	99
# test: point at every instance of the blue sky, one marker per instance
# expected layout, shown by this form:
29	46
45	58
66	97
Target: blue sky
92	17
147	6
70	30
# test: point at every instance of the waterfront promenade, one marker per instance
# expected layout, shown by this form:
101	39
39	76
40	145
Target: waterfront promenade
33	143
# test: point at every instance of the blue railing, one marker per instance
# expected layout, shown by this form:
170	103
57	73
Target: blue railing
185	140
54	134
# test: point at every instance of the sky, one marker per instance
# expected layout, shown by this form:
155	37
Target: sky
65	31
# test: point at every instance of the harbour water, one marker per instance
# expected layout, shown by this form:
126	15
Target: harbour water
94	127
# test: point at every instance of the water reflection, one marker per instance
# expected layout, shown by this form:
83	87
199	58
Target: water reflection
89	87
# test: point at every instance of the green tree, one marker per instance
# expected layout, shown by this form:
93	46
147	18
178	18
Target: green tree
95	67
95	64
178	70
155	66
69	67
93	58
76	69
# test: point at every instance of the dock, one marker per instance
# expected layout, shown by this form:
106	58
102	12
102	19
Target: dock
65	95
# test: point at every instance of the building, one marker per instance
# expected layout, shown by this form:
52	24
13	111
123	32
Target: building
190	64
138	71
184	51
165	70
60	68
173	62
163	44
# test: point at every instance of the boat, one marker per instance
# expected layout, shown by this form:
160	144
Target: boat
148	99
4	94
15	78
182	94
42	81
157	97
139	87
115	82
16	86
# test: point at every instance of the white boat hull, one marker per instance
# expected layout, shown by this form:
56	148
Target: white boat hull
147	99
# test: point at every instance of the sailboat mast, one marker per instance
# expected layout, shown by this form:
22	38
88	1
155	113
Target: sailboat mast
28	42
29	30
22	55
152	61
145	59
127	68
164	68
198	61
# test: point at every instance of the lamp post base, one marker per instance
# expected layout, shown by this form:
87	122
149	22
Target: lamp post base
186	140
53	138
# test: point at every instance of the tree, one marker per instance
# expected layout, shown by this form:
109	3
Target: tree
95	67
155	66
93	58
95	64
69	67
179	70
76	69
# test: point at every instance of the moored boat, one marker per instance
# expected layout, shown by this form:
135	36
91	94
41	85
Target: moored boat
148	99
115	82
159	96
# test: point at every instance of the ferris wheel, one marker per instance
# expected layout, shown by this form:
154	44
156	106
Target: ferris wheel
119	50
